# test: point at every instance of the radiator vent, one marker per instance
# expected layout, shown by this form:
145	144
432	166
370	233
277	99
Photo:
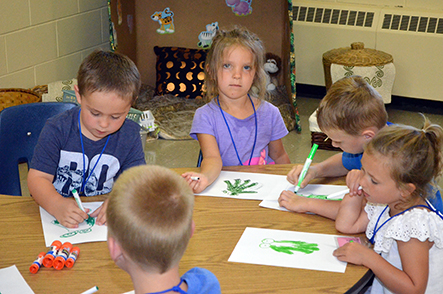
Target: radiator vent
411	23
333	16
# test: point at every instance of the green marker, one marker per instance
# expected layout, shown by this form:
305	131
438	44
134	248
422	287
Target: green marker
306	166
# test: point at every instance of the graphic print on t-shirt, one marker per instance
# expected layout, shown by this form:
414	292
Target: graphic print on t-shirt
69	173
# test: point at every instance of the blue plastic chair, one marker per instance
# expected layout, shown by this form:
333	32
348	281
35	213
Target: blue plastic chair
20	127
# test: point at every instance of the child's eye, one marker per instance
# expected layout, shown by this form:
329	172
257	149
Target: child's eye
247	67
115	117
226	65
374	182
94	113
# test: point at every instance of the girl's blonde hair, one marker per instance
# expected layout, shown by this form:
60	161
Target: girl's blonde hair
238	36
415	155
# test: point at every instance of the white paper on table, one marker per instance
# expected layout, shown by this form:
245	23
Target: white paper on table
260	246
264	185
312	189
12	282
86	232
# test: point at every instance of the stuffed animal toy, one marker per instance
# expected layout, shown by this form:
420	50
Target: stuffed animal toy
272	69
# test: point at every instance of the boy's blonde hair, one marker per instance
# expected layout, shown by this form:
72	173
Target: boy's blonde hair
150	215
415	155
224	39
104	71
351	105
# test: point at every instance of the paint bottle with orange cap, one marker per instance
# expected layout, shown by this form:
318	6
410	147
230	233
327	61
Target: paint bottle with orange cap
50	256
62	255
35	266
72	257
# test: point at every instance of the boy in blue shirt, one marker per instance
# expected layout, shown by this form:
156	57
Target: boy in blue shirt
351	114
149	226
86	148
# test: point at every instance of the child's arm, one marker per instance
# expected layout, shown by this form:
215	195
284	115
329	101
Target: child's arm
352	217
278	153
296	203
414	259
211	164
331	167
65	210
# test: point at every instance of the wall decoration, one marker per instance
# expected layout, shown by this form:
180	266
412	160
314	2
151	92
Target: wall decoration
205	37
112	32
288	249
292	67
240	7
166	21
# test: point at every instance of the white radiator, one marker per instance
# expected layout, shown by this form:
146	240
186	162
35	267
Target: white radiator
414	38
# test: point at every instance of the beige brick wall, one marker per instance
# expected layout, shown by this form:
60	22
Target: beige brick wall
43	41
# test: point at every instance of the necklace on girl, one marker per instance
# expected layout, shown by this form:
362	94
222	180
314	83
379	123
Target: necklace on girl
82	189
376	228
230	134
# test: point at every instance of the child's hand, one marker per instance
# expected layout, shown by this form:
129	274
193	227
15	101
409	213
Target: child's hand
353	252
197	182
353	182
100	213
69	214
294	174
292	201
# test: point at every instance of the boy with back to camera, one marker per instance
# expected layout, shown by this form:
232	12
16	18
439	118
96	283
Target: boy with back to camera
149	226
86	148
351	114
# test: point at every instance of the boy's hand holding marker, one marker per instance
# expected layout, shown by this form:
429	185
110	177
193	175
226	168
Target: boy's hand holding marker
100	212
306	166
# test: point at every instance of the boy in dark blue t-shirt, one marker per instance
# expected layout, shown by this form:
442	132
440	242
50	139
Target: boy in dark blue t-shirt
87	147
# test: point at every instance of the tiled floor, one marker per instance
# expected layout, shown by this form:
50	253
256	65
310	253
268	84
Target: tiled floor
184	153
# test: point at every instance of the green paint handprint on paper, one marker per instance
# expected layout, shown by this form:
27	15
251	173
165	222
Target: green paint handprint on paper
238	187
289	247
90	222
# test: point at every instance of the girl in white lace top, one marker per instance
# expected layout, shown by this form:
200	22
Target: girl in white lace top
399	167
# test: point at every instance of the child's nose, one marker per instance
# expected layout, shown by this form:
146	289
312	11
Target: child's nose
104	122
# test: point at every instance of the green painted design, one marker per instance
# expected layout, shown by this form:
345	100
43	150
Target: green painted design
236	188
288	246
90	221
376	81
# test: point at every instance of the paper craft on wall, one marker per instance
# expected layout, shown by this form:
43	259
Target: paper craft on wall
331	192
165	20
288	249
240	7
205	37
12	281
252	186
87	231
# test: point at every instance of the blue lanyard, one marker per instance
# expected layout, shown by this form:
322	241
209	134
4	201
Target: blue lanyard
175	289
372	240
83	153
230	134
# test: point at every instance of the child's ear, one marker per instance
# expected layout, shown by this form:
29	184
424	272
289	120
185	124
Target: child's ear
192	228
369	133
114	249
407	190
77	94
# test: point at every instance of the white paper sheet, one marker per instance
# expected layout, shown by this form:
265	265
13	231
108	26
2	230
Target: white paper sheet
288	249
12	282
339	192
86	231
252	186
